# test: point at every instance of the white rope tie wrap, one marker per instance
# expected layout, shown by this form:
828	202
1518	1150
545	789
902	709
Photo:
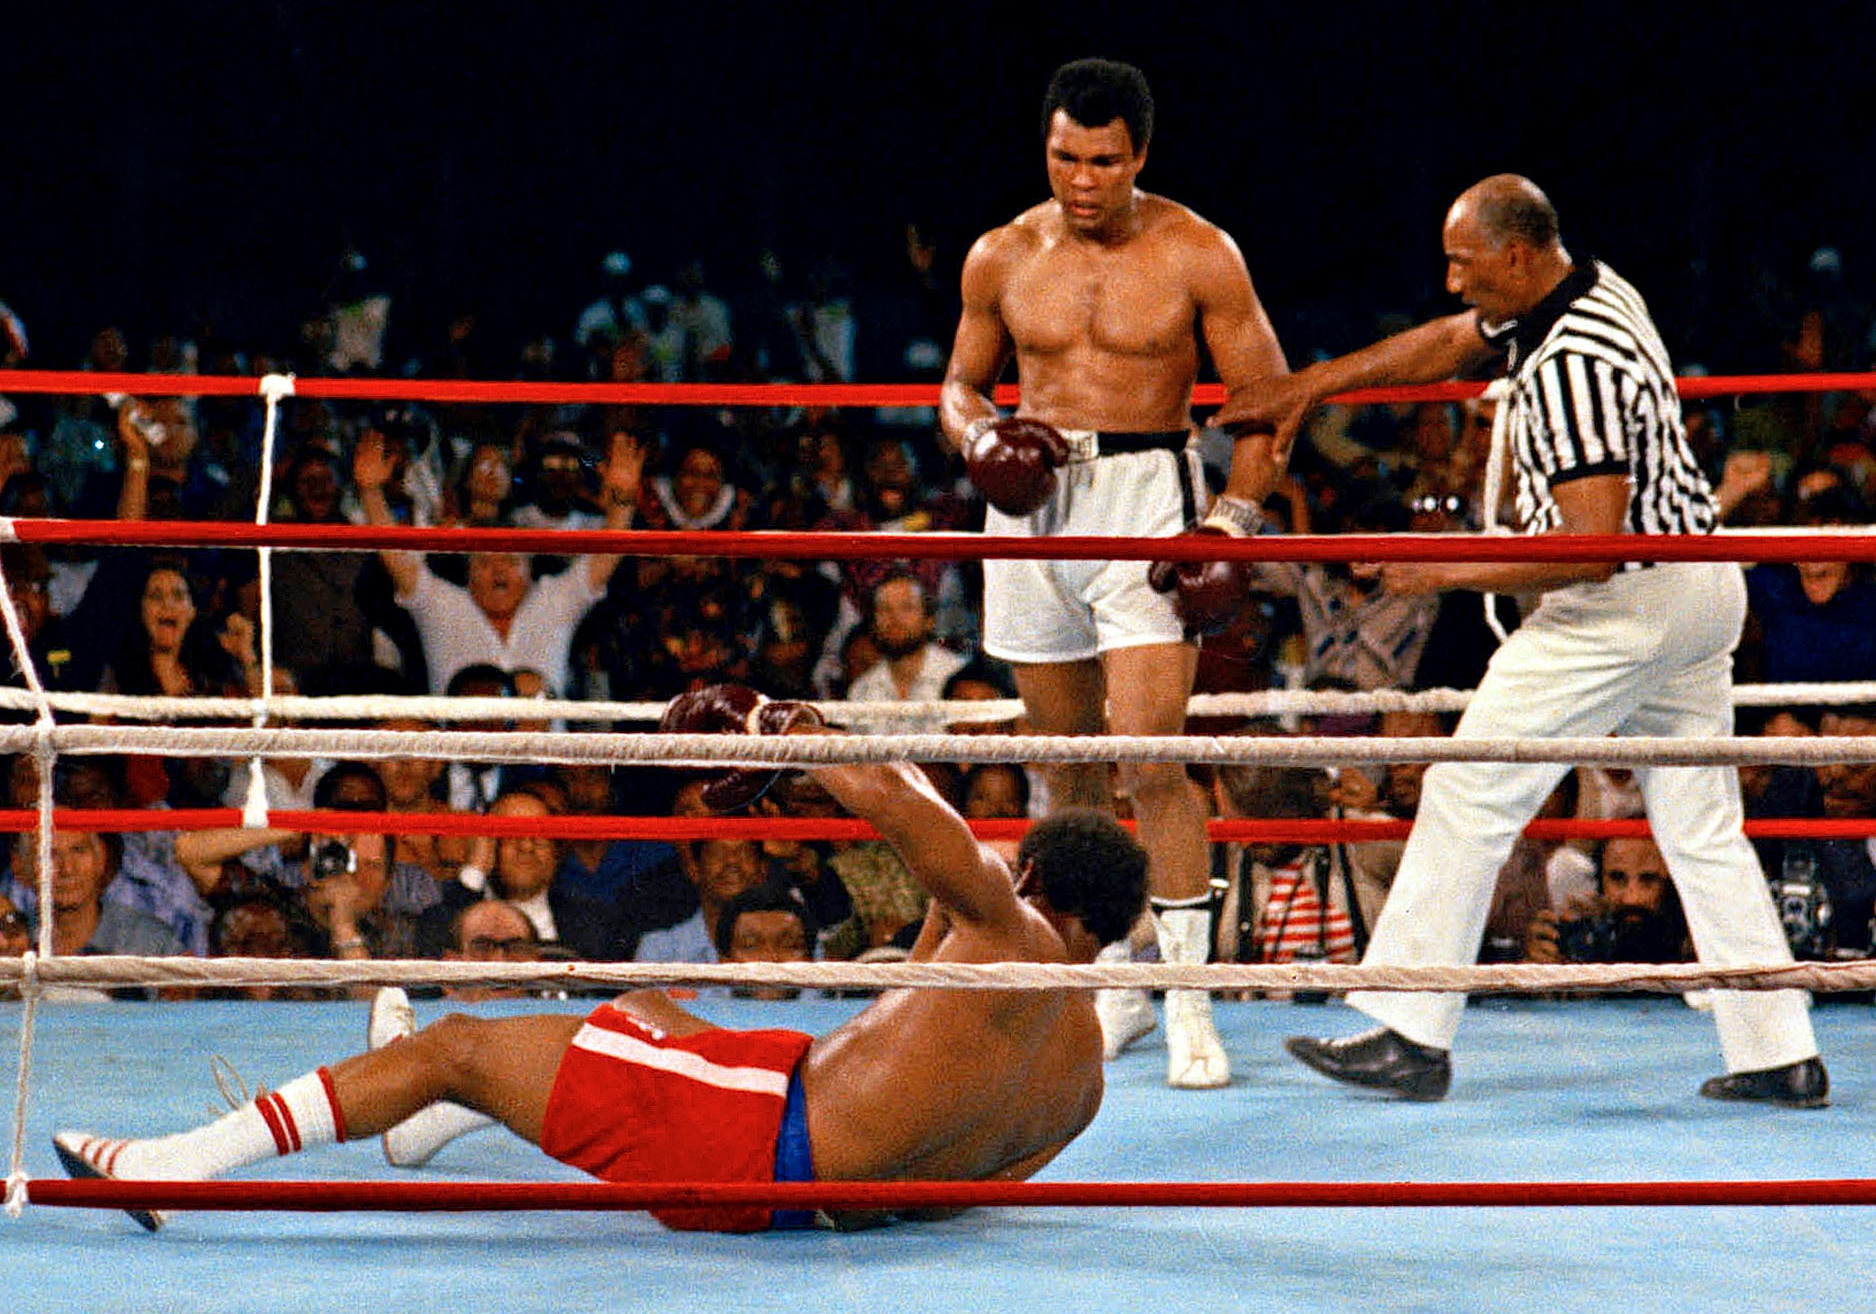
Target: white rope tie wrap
45	760
1499	394
40	747
26	968
274	387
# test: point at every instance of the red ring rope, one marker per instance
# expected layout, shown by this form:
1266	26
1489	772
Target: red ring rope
327	1196
774	544
380	1196
765	394
1251	829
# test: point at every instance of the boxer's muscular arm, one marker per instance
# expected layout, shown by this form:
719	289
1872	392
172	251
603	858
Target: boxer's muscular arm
1243	346
982	346
967	879
1020	1171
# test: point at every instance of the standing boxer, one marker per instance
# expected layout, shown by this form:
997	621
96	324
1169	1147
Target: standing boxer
1101	294
1597	447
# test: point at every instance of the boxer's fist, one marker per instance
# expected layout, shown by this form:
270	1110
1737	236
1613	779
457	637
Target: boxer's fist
1208	593
735	709
1013	461
720	709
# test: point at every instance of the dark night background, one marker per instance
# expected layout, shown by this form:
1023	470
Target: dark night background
175	165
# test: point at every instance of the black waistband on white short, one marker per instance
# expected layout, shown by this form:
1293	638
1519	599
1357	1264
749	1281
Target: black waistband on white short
1119	444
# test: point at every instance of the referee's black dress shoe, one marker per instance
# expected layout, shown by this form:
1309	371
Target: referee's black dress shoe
1382	1060
1802	1085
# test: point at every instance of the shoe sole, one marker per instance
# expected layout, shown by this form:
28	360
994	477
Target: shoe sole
1814	1102
79	1168
1174	1082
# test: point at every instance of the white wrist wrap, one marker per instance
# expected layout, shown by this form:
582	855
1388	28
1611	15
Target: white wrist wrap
1235	516
974	433
752	723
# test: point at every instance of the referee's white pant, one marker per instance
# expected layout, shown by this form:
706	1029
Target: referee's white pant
1648	652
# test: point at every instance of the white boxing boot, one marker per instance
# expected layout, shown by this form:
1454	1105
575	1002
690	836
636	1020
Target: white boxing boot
1195	1057
302	1114
1126	1015
415	1141
84	1155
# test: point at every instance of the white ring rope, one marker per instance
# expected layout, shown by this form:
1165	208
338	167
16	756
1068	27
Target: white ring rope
110	971
1497	466
816	750
46	739
937	713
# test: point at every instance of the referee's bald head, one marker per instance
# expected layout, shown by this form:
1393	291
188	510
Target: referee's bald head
1509	207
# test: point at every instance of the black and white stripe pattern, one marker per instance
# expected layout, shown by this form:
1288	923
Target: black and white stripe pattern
1594	394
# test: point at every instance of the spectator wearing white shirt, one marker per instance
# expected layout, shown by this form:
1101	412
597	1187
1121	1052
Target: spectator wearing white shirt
912	668
503	617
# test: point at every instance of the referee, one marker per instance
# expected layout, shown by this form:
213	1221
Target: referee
1596	446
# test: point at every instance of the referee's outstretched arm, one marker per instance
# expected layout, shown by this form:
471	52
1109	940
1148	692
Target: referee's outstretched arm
1437	350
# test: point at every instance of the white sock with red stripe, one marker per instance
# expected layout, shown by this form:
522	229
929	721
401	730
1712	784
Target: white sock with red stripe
301	1114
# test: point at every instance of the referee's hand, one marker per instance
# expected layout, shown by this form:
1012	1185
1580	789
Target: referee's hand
1405	578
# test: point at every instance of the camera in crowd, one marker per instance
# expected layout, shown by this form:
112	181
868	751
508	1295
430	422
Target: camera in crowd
1802	902
1597	939
329	858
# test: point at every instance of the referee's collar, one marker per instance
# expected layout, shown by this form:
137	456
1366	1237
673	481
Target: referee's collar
1523	335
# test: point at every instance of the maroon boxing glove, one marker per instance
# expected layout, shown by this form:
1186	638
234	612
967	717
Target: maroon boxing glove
719	709
1013	460
735	709
1210	593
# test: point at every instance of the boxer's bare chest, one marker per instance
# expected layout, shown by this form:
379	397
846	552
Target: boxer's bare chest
1132	300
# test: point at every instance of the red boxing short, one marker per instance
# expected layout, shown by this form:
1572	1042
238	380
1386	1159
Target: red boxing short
632	1104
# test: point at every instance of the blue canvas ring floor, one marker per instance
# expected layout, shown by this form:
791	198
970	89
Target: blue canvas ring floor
1579	1090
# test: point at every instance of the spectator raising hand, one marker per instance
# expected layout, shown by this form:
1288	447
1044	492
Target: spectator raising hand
620	476
236	638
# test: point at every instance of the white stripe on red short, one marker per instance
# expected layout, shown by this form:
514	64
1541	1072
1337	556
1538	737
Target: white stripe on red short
681	1062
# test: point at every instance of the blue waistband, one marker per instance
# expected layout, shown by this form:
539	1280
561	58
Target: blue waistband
794	1157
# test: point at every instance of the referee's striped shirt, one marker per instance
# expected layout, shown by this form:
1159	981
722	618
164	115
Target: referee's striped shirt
1592	393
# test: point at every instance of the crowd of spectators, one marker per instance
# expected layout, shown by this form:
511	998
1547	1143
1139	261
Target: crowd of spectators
504	625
